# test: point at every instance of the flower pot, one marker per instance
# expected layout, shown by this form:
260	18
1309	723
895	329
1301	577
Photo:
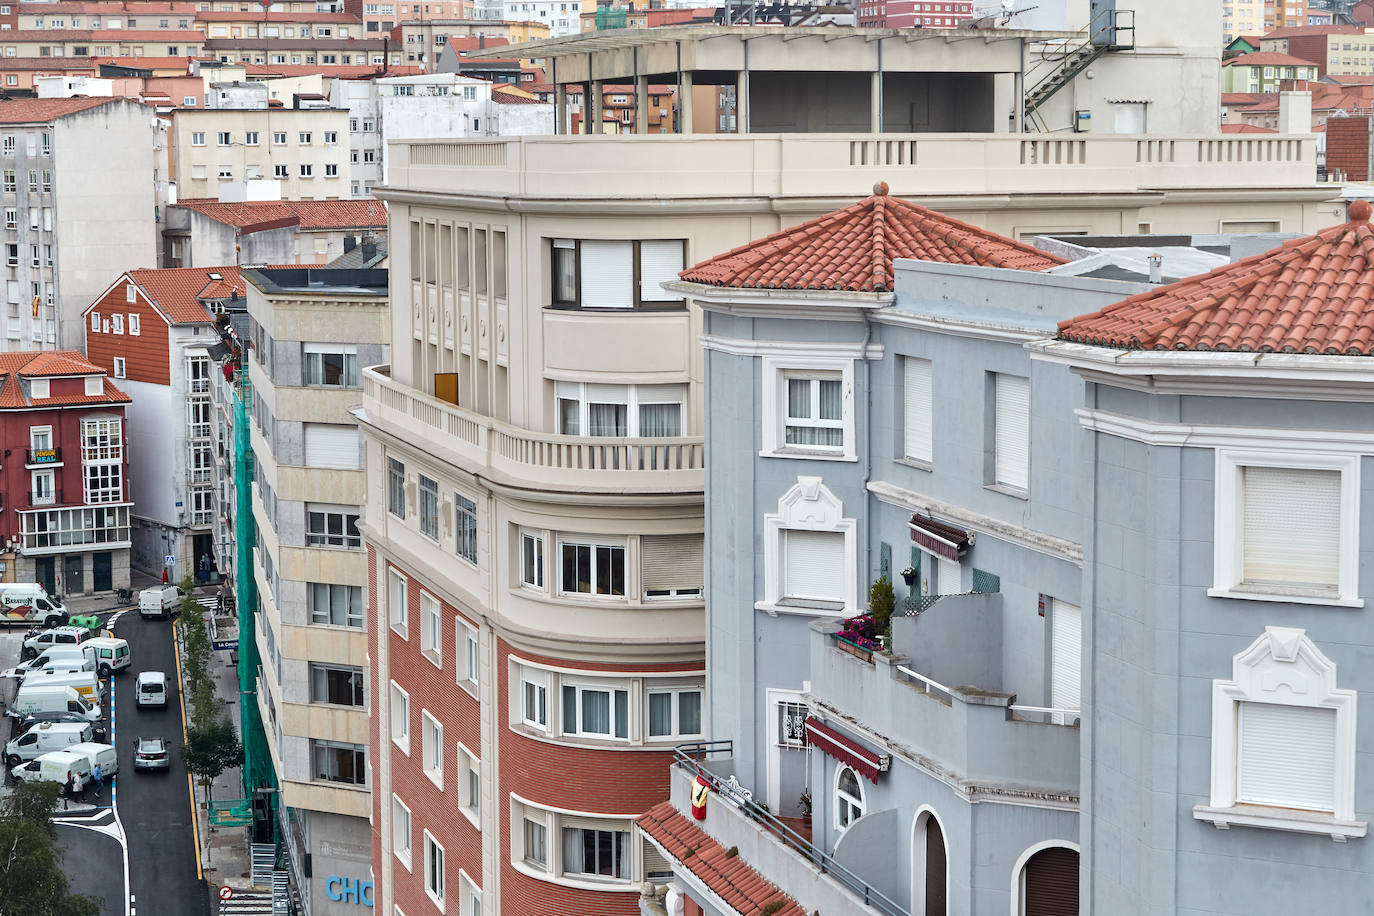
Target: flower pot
909	580
863	655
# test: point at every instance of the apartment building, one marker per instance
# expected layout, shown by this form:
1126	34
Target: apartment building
383	17
1264	71
311	331
304	149
72	221
79	43
1337	50
426	42
153	330
151	16
258	230
271	24
65	518
314	51
907	14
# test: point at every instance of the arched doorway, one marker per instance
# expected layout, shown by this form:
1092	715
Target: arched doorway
930	890
1049	882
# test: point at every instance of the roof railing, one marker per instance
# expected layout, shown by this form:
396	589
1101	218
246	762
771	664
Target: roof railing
690	756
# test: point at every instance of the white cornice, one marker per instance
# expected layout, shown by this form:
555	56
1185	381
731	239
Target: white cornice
959	327
1048	544
1191	435
789	348
819	304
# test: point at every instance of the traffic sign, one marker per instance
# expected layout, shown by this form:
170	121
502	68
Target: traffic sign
226	893
168	560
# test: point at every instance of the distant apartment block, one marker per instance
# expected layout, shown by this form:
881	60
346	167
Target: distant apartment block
203	233
908	14
304	149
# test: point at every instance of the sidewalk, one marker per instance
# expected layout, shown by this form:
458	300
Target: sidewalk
224	851
104	602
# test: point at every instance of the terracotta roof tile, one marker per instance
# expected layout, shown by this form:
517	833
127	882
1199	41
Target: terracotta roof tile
1311	295
1246	129
728	876
1265	59
40	363
313	214
178	291
33	111
852	249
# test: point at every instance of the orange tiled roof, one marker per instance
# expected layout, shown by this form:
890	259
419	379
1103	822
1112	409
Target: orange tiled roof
512	96
728	876
1246	129
1311	295
852	249
1267	59
313	214
32	111
41	363
178	291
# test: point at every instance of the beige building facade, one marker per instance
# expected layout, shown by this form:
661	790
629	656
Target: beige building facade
304	149
311	329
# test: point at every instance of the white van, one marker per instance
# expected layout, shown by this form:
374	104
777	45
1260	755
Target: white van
56	657
159	601
103	754
29	602
37	698
56	766
44	737
57	636
110	653
86	683
152	688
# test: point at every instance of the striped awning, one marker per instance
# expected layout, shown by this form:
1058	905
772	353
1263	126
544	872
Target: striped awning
846	750
940	539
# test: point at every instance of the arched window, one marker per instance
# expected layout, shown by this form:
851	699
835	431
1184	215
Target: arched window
1047	881
849	798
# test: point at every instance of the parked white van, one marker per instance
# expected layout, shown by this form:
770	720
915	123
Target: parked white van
56	766
44	737
29	602
111	653
56	657
86	683
152	688
159	601
57	636
37	698
103	754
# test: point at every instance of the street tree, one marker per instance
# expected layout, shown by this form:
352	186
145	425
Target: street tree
210	750
31	876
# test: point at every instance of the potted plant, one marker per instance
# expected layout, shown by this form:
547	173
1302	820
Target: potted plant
909	576
881	602
805	802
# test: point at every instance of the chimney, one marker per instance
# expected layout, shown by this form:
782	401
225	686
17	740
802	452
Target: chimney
369	250
1295	112
1156	268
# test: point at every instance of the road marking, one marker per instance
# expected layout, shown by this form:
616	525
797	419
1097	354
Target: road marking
190	787
114	800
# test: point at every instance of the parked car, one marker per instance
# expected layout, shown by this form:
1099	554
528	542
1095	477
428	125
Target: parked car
34	698
151	754
53	658
29	602
56	766
24	724
57	636
98	753
86	683
159	601
152	688
50	736
111	654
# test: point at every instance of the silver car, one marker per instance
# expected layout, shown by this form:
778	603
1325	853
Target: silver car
151	754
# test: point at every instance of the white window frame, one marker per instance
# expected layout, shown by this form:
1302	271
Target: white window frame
845	801
134	324
632	396
776	371
398	613
434	870
1284	667
467	641
400	717
609	687
432	748
918	427
470	805
675	712
532	572
400	814
808	506
119	367
470	899
427	504
1002	439
534	690
554	820
595	544
1228	546
432	629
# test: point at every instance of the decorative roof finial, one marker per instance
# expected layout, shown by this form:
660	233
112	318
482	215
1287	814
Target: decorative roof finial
880	189
1359	211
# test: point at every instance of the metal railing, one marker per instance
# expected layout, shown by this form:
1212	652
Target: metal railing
690	756
50	498
1052	715
926	685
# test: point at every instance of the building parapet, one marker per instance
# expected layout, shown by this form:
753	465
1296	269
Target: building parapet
823	165
523	458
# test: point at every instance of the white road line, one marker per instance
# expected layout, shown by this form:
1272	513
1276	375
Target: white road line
114	806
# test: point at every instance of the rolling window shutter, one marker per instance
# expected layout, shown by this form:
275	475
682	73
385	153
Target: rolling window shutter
607	275
331	446
1292	526
1286	756
671	561
918	410
1012	431
659	260
1051	884
655	866
813	565
1066	655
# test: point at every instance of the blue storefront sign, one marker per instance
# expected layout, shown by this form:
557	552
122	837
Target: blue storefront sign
348	890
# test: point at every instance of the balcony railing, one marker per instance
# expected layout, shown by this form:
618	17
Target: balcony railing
689	757
673	464
45	498
42	456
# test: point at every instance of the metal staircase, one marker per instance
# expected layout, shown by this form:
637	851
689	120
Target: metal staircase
1060	61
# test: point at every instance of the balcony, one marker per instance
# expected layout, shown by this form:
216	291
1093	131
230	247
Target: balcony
976	730
42	457
522	458
41	498
819	165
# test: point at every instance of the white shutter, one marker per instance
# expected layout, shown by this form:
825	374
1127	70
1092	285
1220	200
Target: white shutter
1011	431
331	446
671	561
918	410
1286	756
1066	653
659	260
1291	529
948	576
608	275
813	565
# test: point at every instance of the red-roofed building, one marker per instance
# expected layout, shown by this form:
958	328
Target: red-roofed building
1264	71
64	485
1335	49
203	232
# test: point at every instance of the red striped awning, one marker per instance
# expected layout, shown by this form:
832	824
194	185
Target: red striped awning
846	750
938	538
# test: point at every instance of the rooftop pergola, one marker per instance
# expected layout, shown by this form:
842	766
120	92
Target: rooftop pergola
767	64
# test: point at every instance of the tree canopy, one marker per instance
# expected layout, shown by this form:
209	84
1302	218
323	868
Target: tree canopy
31	878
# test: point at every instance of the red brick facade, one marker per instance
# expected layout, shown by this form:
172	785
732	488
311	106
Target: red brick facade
1347	147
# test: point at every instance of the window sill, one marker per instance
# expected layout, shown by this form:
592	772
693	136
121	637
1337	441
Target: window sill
1008	490
656	307
589	884
469	687
435	777
1280	819
403	632
402	746
916	464
404	860
474	818
436	900
434	658
811	609
1295	596
802	454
